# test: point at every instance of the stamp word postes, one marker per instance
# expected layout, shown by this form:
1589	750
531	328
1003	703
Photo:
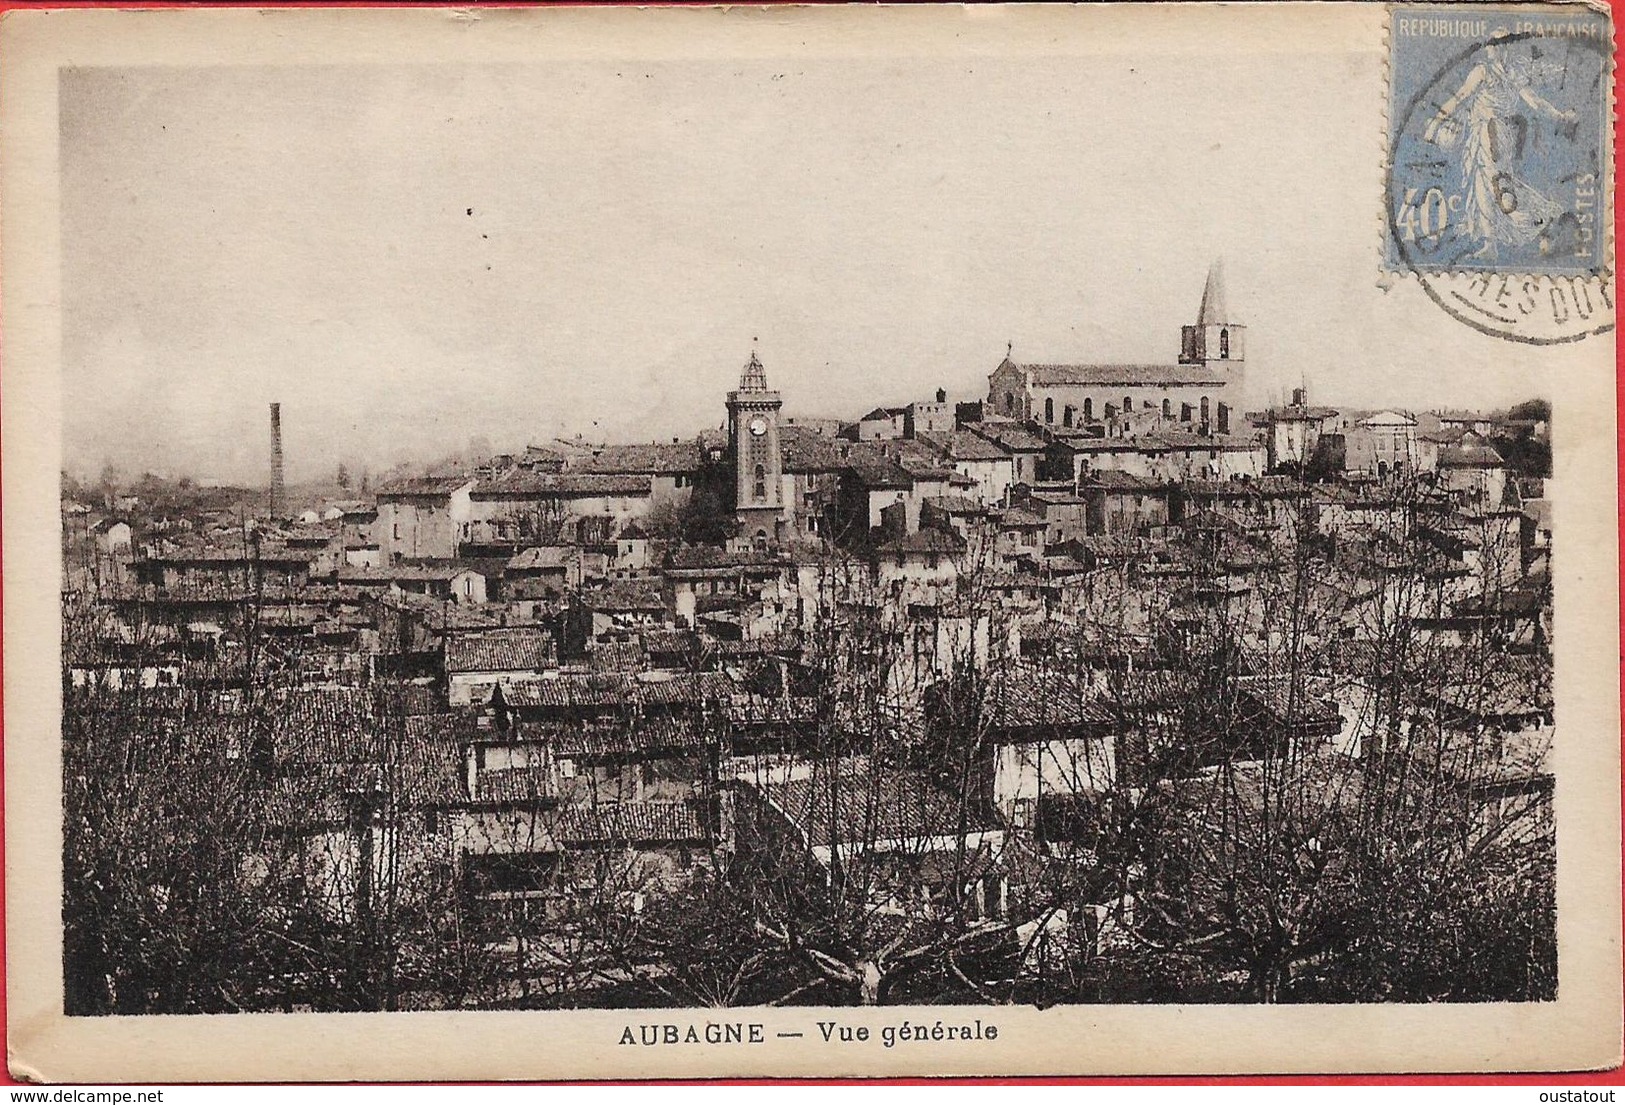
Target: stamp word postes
1498	182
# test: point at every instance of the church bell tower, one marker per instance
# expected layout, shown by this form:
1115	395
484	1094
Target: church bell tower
753	437
1216	341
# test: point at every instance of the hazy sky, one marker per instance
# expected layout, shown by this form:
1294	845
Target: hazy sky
408	256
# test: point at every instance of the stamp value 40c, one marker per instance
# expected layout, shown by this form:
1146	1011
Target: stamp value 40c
1498	174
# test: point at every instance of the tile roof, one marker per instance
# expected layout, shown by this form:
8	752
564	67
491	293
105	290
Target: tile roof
1495	686
1294	789
570	692
427	571
669	641
499	650
1110	479
648	736
418	758
322	726
875	470
925	541
1026	698
626	596
411	700
631	823
665	458
617	689
1286	701
806	450
1180	439
1448	435
852	808
422	487
1113	375
689	688
1016	518
1048	499
1011	437
514	786
561	485
966	446
1088	443
1257	487
615	655
428	764
954	504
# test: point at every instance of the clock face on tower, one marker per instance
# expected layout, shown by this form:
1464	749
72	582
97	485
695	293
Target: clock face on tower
758	426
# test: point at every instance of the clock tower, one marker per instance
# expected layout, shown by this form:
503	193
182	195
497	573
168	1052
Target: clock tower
753	435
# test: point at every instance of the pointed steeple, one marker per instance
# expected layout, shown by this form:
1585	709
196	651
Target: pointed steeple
1215	311
1216	336
754	377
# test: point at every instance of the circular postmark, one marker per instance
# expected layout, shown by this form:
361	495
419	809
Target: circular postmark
1496	184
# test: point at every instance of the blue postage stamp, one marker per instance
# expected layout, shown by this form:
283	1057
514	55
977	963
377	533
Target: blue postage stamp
1498	139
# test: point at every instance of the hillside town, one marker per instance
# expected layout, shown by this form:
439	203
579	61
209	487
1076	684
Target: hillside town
1107	684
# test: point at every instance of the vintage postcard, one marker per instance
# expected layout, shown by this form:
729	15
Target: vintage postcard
810	540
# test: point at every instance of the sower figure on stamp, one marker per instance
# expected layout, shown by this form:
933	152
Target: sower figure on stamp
1500	206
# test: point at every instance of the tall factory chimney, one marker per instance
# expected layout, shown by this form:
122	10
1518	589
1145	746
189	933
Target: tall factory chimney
278	487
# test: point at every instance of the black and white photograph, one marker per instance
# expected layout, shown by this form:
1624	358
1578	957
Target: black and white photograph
876	537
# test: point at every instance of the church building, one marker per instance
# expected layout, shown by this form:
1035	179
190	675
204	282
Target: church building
1200	392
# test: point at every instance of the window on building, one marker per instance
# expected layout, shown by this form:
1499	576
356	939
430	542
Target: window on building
1010	403
761	482
1128	404
397	528
1088	410
1204	408
1167	408
1049	410
1066	415
1224	344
